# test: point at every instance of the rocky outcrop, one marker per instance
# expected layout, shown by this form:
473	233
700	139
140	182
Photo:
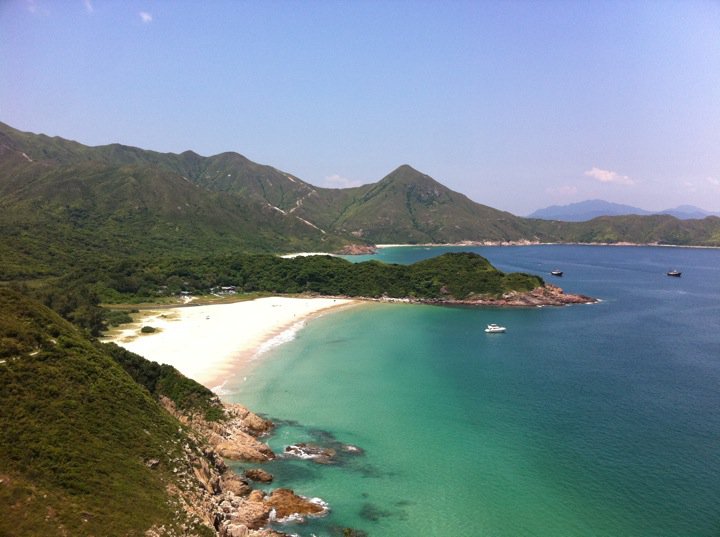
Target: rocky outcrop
286	505
547	295
212	495
357	249
248	421
253	512
235	436
243	447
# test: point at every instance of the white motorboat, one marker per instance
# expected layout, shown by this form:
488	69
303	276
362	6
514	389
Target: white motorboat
495	329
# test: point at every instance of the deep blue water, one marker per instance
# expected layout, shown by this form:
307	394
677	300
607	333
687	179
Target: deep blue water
589	420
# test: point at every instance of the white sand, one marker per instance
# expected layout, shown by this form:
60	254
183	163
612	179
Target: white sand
208	343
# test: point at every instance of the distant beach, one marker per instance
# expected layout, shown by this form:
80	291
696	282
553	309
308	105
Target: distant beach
208	343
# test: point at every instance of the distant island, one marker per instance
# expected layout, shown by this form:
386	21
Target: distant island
587	210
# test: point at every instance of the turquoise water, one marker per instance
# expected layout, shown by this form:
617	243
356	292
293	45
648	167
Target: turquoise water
590	420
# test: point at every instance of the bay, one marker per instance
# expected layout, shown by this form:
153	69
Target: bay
589	420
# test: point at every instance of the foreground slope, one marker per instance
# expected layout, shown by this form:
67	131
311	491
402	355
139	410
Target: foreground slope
76	433
96	440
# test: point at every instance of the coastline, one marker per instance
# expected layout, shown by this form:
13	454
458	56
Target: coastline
373	248
209	343
540	243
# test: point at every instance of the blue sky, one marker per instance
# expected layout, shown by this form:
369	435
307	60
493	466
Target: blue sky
516	104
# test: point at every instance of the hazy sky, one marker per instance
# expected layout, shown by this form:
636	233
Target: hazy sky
516	104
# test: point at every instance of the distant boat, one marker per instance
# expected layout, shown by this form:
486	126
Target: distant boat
557	273
675	273
495	329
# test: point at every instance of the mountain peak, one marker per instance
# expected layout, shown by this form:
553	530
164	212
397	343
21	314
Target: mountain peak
405	168
406	174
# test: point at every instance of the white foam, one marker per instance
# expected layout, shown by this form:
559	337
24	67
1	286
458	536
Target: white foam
210	350
283	337
322	503
220	389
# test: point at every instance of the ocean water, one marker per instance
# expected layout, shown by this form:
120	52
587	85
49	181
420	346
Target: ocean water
589	420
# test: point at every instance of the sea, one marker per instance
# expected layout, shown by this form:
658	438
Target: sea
586	420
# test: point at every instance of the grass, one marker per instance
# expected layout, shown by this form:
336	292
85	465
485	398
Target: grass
75	430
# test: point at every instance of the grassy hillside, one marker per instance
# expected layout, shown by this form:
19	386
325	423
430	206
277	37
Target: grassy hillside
661	229
55	213
410	207
63	204
75	434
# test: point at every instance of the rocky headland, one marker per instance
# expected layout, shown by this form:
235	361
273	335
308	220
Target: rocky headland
547	295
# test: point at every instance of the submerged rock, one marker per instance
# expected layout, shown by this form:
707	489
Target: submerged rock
353	450
319	454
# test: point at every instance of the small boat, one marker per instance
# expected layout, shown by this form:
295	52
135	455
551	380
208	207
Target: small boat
557	273
495	329
675	273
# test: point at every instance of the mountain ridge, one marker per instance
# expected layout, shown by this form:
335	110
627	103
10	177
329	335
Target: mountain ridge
583	211
61	202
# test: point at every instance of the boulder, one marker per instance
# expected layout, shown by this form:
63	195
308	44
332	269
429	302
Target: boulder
288	504
249	421
258	474
243	447
251	513
234	530
231	482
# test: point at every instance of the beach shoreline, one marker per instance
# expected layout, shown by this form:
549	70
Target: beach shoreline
210	343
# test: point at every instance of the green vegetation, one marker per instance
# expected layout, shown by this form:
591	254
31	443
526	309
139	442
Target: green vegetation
162	380
81	226
450	276
75	433
64	205
117	317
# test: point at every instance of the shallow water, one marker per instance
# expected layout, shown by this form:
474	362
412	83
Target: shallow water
590	420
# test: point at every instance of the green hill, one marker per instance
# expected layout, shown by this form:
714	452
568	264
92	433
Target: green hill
451	276
74	203
63	204
660	229
76	434
410	207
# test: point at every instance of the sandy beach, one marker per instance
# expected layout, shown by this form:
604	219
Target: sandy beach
208	343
